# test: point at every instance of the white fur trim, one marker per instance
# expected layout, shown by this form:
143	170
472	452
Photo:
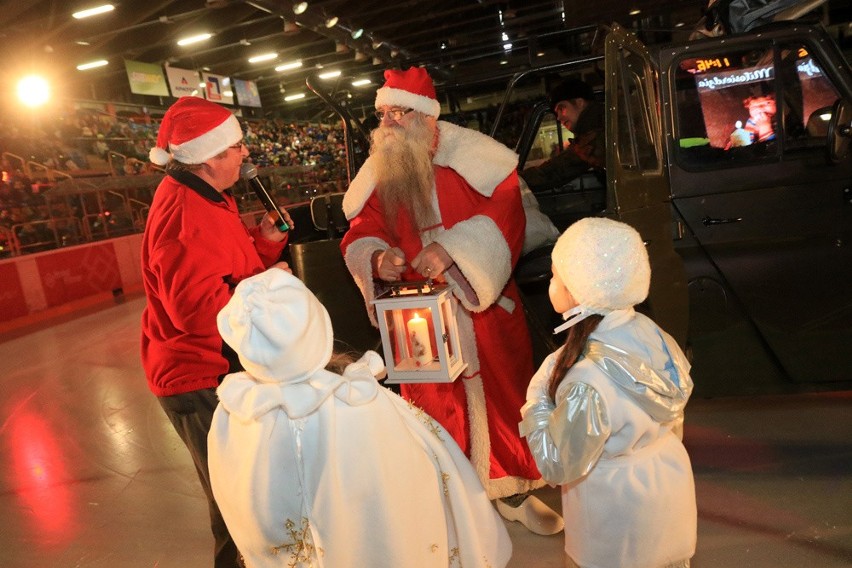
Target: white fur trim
359	190
482	161
358	259
477	416
480	441
211	143
511	485
388	96
482	255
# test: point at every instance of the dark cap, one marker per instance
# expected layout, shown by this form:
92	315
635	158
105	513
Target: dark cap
571	89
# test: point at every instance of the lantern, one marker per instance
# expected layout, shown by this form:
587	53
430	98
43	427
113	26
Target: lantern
420	336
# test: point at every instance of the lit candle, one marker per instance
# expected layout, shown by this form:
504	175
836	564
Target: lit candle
421	345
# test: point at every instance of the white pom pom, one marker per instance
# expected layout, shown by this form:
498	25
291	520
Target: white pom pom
159	156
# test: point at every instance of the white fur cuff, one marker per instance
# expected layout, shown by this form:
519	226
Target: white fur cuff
482	255
358	259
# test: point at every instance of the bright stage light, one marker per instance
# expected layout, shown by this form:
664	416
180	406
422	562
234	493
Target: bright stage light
33	91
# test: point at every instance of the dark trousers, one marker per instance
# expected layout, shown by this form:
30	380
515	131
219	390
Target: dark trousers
191	415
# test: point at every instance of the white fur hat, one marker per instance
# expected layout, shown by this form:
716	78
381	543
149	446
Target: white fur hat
278	328
603	263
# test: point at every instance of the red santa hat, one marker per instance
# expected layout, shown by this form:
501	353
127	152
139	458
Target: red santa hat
412	88
193	131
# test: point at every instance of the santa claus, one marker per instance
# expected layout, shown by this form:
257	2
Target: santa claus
438	201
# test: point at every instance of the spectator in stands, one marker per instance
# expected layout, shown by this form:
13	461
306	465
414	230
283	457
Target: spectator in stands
195	250
576	109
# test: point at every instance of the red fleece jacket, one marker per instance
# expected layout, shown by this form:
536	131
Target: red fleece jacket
194	252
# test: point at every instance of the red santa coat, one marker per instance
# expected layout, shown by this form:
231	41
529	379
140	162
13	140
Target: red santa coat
481	226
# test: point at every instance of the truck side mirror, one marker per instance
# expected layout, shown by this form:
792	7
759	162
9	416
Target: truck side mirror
839	132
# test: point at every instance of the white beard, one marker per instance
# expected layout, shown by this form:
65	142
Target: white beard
404	170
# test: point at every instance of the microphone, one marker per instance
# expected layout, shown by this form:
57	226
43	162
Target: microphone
249	173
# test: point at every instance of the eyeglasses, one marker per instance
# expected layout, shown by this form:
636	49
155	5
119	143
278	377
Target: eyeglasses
394	113
237	146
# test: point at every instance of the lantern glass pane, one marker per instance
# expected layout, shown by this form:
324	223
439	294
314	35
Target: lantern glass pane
412	337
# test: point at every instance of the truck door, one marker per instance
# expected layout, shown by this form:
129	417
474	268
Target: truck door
763	212
637	180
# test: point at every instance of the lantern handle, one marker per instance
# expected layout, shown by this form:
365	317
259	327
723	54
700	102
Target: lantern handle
423	287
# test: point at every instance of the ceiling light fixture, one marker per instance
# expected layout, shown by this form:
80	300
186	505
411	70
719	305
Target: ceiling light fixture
357	33
290	27
331	22
295	97
264	57
194	39
300	7
93	11
288	66
329	75
635	12
361	82
92	64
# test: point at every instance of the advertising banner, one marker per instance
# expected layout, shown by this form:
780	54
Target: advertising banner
146	78
217	88
13	303
78	272
247	94
184	82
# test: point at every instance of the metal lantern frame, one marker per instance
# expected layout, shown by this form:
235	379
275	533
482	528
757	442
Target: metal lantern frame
396	311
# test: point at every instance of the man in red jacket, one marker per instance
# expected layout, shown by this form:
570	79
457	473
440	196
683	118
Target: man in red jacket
194	252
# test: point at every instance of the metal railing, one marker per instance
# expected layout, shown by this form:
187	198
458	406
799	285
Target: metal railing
50	174
46	234
82	210
22	163
9	245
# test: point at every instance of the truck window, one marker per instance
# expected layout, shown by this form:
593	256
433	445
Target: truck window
546	144
636	147
726	109
808	98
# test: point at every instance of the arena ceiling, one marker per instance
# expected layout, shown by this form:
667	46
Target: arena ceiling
459	40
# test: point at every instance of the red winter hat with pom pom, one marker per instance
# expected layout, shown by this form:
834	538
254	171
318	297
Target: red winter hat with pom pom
193	131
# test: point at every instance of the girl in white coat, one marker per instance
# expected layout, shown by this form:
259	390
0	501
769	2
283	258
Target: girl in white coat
320	468
604	413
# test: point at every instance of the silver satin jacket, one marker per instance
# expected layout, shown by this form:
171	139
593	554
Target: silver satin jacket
567	437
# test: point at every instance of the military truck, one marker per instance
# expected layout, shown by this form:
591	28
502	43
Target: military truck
750	239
